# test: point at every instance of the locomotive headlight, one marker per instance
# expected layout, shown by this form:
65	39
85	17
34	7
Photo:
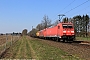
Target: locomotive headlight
64	31
72	31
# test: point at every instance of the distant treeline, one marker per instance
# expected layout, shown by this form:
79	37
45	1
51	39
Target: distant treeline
11	33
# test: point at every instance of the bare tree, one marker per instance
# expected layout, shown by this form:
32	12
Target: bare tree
46	22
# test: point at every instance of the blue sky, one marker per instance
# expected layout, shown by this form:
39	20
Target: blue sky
16	15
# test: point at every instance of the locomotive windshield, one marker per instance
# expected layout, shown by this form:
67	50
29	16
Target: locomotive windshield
67	26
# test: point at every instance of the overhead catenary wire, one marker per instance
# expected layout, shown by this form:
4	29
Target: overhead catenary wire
77	6
67	5
81	10
74	7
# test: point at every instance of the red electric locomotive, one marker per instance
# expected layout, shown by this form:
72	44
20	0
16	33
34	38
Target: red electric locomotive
62	31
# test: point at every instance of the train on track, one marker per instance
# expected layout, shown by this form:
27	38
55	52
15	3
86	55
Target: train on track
61	32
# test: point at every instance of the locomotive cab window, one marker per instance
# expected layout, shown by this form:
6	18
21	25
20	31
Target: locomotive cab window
58	27
70	26
67	26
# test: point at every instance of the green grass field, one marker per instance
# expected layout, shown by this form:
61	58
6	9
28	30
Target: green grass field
46	52
83	38
27	48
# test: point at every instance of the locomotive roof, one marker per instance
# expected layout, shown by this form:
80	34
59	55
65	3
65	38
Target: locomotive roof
66	23
57	25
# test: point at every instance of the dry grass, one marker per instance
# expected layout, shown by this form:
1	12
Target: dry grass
6	41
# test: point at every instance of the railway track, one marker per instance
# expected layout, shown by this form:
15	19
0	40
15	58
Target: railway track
83	43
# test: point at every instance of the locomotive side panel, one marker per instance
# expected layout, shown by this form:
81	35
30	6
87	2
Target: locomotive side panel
51	32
